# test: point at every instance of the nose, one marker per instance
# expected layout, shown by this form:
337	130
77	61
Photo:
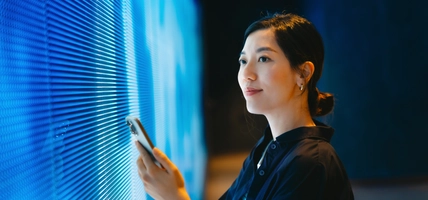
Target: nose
247	72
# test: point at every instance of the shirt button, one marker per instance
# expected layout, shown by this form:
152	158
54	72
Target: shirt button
261	172
273	146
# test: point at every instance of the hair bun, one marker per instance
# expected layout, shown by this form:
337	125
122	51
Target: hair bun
325	103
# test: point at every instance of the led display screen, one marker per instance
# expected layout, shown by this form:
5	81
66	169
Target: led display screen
71	71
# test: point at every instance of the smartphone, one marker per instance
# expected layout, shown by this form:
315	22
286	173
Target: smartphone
139	133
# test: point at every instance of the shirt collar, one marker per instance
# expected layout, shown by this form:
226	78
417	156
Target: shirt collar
319	131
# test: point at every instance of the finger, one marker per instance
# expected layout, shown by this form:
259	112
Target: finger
148	162
140	174
163	160
140	163
140	147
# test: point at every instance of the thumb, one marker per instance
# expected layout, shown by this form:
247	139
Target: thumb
163	160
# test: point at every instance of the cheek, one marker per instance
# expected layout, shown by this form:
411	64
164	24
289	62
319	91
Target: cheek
280	80
240	78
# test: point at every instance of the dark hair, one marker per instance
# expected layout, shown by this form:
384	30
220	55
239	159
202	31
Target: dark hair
300	42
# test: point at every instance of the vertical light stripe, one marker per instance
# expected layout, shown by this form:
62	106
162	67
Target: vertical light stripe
137	189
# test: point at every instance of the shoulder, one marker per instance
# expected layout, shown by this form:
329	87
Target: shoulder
309	153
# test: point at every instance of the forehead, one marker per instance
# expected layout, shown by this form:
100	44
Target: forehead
260	38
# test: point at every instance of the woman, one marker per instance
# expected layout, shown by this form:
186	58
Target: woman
280	64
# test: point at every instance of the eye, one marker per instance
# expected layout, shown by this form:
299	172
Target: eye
264	59
242	62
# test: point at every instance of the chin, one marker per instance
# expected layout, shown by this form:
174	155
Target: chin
254	110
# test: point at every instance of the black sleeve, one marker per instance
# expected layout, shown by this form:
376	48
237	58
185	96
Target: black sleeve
232	192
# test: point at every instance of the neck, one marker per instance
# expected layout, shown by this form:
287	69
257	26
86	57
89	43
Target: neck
288	118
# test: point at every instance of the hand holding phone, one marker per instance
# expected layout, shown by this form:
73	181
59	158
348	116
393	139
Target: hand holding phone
138	132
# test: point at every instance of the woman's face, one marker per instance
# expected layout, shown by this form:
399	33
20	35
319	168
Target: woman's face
265	75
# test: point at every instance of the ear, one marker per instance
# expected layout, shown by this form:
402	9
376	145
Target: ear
306	71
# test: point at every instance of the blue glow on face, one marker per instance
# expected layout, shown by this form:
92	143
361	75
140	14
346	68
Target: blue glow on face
72	71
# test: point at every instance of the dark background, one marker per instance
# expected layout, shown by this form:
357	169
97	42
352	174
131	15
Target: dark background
375	65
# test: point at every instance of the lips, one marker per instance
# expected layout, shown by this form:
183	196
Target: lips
252	91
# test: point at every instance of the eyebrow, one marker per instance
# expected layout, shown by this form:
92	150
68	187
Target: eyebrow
260	50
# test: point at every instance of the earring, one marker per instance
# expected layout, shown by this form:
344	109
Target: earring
301	87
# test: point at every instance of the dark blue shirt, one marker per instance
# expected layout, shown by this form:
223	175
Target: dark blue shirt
299	164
